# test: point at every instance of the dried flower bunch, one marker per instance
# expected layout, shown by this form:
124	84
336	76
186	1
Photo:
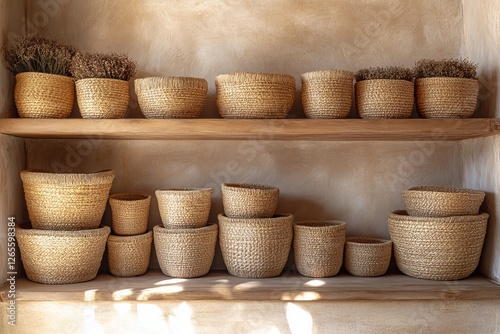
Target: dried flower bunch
100	65
389	72
452	68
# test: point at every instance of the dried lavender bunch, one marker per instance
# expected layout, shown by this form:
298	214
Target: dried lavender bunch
389	72
100	65
454	68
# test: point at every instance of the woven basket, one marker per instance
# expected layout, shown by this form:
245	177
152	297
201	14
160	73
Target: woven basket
318	247
177	97
102	98
254	95
446	248
185	252
43	95
428	201
130	213
327	94
249	200
446	97
384	98
255	248
129	255
367	257
68	201
61	257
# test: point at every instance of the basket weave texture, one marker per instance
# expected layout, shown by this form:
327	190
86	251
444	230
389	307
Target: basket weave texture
130	213
243	200
129	255
384	98
367	257
102	98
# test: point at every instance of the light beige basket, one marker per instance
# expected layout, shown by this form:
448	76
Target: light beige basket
43	95
61	257
172	97
367	257
255	248
102	98
129	255
445	248
185	252
66	201
318	247
254	95
384	98
130	213
243	200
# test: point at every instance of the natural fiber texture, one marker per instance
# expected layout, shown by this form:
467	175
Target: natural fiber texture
318	247
61	257
129	255
327	94
185	252
184	208
42	95
68	201
428	201
446	97
130	213
249	200
384	98
367	257
255	248
254	95
102	98
445	248
176	97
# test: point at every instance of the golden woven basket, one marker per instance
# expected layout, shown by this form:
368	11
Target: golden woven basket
243	200
130	213
384	98
102	98
367	257
129	255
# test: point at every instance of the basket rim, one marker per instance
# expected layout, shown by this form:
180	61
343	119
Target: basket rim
130	238
275	218
129	197
404	82
209	227
248	186
443	190
100	79
168	82
369	241
101	230
182	190
445	79
63	77
331	74
320	224
100	177
402	215
244	77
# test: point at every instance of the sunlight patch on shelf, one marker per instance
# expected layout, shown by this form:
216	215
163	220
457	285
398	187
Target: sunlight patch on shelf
171	281
90	324
122	308
180	319
151	317
247	286
307	295
222	280
299	320
315	283
169	289
121	294
89	295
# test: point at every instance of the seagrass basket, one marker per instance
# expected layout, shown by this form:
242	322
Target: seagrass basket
384	98
244	200
367	257
129	255
102	97
130	213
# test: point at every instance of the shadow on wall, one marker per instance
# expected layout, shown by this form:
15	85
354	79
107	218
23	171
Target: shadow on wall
489	206
488	93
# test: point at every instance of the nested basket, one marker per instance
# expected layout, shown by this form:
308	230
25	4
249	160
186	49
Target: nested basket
367	257
129	255
244	200
254	95
66	201
256	247
171	97
61	257
318	247
442	248
102	97
130	213
384	98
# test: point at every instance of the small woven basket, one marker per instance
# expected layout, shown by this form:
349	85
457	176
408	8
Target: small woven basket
257	247
102	98
130	213
254	95
61	257
428	201
43	95
129	255
185	252
384	98
443	248
243	200
446	97
66	201
175	97
367	257
318	247
327	94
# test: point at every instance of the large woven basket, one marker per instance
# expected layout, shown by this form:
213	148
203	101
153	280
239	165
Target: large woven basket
43	95
367	257
243	200
445	248
446	97
318	247
185	252
129	255
66	201
254	95
384	98
175	97
130	213
327	94
102	98
61	257
257	247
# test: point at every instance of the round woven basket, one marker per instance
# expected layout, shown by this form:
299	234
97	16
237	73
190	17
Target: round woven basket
129	255
384	98
257	247
318	247
243	200
254	95
327	94
446	97
66	201
130	213
102	98
428	201
444	248
175	97
367	257
61	257
43	95
185	252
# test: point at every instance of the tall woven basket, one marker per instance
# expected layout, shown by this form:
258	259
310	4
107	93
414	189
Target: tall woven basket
102	98
367	257
244	200
384	98
129	255
130	213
